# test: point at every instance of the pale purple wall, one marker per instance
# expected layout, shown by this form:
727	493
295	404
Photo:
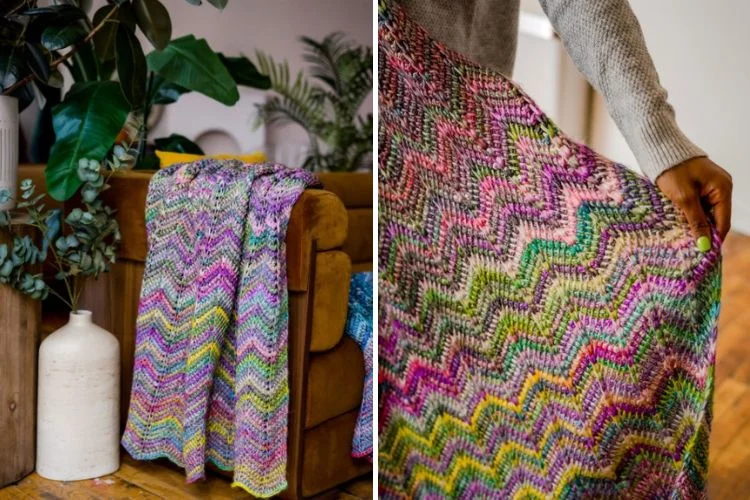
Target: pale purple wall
272	26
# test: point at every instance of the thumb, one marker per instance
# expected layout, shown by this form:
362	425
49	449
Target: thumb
698	220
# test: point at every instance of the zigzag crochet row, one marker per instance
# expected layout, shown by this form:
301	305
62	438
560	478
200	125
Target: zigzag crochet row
210	380
359	327
546	327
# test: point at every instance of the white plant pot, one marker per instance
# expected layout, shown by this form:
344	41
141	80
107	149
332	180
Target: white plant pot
78	420
8	148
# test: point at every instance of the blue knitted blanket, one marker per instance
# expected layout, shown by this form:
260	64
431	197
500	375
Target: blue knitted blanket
359	328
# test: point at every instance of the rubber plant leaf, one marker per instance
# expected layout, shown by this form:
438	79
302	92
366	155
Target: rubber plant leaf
153	19
59	36
131	67
86	124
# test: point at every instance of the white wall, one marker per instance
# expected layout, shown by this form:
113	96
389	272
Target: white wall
700	49
555	85
274	28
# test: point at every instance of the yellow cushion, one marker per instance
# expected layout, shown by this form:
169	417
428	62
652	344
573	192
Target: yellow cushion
167	158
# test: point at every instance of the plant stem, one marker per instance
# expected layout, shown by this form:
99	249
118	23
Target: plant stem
53	292
143	129
54	64
76	293
42	226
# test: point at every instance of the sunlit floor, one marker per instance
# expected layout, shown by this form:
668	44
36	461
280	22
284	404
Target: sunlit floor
729	473
729	469
151	480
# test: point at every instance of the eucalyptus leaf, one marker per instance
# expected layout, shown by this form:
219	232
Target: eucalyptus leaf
60	36
244	72
190	63
86	124
6	268
153	19
177	143
131	67
53	222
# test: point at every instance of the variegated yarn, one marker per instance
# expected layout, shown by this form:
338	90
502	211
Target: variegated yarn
547	328
359	323
210	381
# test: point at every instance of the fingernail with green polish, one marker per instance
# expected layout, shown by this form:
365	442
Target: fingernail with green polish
703	244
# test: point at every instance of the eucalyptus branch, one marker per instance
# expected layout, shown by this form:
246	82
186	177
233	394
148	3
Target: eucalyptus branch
85	249
54	64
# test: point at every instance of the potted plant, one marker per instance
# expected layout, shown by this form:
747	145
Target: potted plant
115	85
326	105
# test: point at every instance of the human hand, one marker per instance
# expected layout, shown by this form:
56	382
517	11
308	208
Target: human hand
703	191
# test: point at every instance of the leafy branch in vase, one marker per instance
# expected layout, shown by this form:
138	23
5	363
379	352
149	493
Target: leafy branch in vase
81	245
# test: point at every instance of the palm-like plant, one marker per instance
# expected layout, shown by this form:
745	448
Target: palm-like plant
329	112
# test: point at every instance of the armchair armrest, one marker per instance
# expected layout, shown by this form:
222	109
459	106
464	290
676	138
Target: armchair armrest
318	216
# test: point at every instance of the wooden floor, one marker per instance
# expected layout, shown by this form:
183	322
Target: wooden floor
150	480
729	469
729	473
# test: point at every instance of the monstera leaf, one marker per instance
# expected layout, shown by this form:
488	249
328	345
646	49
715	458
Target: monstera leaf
190	63
86	124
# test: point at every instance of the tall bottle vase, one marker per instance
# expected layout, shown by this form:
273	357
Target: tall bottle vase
8	148
78	414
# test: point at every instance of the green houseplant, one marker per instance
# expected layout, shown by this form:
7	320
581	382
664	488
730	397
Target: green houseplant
327	105
115	85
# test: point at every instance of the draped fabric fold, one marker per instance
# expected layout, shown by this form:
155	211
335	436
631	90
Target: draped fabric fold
210	380
547	328
359	327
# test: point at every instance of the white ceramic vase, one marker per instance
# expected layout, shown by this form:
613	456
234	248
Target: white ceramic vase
8	147
78	419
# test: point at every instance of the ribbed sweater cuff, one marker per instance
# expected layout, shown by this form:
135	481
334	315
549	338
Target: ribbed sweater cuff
659	144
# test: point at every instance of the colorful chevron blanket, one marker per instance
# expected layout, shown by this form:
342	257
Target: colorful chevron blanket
547	328
359	327
210	381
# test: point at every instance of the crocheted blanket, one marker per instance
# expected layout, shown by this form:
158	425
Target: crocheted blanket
547	328
359	327
210	381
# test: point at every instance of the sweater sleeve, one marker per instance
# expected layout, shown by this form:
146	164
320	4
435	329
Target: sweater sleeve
606	43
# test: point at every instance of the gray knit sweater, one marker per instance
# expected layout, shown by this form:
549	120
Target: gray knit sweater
606	43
